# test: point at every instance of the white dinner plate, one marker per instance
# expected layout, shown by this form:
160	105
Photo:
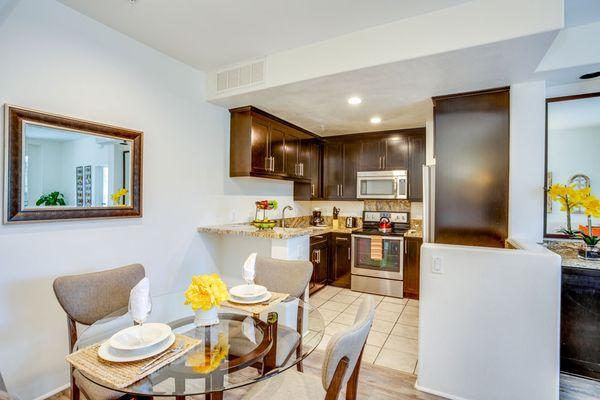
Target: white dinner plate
260	299
140	336
109	353
248	292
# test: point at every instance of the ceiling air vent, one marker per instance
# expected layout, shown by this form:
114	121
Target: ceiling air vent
241	76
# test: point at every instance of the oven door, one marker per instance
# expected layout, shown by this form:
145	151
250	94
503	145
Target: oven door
377	187
391	263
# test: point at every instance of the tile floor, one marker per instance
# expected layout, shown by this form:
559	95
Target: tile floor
392	342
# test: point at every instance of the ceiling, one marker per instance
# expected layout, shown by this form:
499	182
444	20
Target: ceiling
581	12
400	93
207	34
579	113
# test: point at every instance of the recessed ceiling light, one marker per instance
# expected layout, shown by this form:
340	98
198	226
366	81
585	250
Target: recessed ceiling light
376	120
354	100
591	75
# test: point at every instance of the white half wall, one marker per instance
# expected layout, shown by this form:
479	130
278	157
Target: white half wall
527	141
489	324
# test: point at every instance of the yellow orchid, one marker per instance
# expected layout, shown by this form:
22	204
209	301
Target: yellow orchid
207	360
591	204
206	292
116	197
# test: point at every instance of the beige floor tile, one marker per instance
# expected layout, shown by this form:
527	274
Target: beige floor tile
390	307
328	315
334	328
376	298
413	303
394	300
382	326
316	301
333	306
324	341
370	353
414	311
407	331
389	316
407	319
349	292
396	360
352	309
402	344
376	338
345	318
328	292
343	298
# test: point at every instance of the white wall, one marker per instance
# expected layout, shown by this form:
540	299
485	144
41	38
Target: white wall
489	324
526	182
56	60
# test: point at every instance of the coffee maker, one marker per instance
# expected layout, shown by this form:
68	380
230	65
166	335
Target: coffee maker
316	218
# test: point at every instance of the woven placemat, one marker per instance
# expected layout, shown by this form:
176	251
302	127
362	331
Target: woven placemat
121	375
259	308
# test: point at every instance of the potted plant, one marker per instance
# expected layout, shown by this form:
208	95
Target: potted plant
205	294
52	199
590	250
569	197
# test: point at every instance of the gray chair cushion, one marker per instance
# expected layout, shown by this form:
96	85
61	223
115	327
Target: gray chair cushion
290	385
287	342
5	396
89	297
283	276
96	392
348	343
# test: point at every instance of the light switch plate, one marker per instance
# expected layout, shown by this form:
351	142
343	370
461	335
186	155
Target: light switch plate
437	267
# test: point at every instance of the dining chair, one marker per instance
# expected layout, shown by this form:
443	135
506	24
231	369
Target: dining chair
341	366
282	276
87	298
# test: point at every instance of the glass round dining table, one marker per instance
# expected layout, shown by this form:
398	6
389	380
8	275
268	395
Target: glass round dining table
240	350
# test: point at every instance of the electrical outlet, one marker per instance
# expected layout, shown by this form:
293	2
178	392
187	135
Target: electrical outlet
437	266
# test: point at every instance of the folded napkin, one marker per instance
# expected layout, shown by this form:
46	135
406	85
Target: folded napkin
139	301
376	247
248	272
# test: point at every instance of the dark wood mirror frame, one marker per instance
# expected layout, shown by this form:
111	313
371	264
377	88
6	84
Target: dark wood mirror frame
13	146
554	100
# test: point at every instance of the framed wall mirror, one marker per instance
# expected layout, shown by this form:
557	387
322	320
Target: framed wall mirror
572	159
59	168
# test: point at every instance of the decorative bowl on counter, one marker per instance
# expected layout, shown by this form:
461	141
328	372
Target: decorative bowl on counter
264	224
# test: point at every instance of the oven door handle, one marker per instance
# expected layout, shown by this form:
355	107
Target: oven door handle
399	238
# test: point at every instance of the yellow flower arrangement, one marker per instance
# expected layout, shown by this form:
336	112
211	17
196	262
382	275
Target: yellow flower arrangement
570	197
206	292
116	197
205	361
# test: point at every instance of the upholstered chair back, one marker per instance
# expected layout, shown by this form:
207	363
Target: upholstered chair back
283	276
86	298
348	343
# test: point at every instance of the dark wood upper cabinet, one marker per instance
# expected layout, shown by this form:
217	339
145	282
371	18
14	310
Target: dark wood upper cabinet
395	153
333	163
349	170
416	160
315	168
370	155
262	145
472	136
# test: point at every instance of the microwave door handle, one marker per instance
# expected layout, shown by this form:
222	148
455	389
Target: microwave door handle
396	190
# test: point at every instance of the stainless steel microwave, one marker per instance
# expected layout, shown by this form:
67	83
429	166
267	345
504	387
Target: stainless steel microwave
382	184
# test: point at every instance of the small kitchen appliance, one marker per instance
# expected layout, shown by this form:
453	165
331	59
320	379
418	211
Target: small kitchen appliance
316	218
378	253
350	222
382	184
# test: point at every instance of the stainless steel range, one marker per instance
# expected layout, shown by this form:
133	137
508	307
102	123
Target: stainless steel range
378	253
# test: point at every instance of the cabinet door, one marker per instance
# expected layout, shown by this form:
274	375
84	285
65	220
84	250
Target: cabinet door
321	272
333	164
370	155
277	146
314	170
292	148
416	160
350	168
260	145
396	153
340	268
411	271
304	159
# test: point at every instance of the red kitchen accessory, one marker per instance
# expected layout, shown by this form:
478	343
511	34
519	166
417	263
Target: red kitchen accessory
385	225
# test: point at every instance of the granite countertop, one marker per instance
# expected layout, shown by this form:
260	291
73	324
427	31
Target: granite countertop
252	231
567	250
414	234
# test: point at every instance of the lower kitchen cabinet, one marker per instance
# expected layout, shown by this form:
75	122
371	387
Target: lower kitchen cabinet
319	256
339	271
411	271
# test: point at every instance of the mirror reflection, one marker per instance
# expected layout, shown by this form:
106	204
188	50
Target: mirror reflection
573	146
66	168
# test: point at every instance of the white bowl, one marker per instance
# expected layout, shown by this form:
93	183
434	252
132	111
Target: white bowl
257	300
247	292
140	336
109	353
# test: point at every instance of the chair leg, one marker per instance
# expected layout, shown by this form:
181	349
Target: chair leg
299	365
352	385
75	394
300	329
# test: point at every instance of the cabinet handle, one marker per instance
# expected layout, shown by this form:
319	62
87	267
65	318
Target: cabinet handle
319	256
267	159
342	190
349	253
379	162
383	162
313	257
297	169
301	169
272	164
318	237
405	248
338	190
312	190
341	239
